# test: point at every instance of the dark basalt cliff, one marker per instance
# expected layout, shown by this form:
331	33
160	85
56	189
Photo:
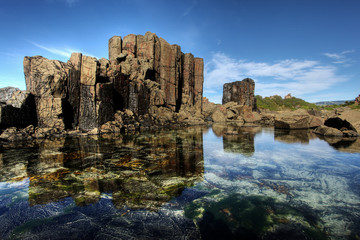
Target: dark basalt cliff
241	92
144	74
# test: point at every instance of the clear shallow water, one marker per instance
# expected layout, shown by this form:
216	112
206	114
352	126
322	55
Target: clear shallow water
192	183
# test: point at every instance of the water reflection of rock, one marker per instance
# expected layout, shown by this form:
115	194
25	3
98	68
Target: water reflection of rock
293	136
237	139
350	145
137	171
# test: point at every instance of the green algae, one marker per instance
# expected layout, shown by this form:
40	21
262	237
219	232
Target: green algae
251	216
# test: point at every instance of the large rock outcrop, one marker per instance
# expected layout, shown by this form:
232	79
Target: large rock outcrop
17	108
298	119
241	92
357	100
144	74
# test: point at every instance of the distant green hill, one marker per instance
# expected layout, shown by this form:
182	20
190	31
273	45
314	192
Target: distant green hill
276	103
326	103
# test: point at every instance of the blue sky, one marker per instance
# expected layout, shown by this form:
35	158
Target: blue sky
309	48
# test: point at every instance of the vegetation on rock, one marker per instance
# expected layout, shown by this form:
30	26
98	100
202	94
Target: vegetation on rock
276	103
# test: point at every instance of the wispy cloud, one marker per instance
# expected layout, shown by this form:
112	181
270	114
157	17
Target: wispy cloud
340	58
66	52
69	3
59	52
189	9
298	77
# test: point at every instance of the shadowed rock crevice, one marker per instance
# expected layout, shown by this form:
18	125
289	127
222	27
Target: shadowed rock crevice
339	124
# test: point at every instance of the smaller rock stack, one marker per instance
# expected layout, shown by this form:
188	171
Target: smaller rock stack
241	92
357	100
288	96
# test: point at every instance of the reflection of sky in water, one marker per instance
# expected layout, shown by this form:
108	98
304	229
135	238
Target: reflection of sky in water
111	184
314	173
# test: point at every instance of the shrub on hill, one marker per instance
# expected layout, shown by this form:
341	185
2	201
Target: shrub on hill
276	103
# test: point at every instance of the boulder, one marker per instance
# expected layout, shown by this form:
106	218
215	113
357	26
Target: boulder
218	117
350	119
298	119
18	111
208	107
248	115
315	122
328	131
6	93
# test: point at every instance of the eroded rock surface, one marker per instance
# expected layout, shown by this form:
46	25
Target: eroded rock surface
144	74
241	92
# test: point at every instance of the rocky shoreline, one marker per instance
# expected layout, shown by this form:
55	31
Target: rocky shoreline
146	83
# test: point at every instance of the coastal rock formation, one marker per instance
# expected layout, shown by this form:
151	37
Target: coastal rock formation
288	96
17	108
357	100
144	74
6	93
344	124
241	92
298	119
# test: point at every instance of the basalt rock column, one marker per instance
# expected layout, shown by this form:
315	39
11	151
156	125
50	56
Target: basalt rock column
87	116
241	92
115	44
73	106
47	81
144	74
198	85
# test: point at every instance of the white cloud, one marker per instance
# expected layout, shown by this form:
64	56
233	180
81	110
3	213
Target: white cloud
298	77
340	58
189	9
69	3
60	52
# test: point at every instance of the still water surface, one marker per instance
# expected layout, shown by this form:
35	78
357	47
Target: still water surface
194	183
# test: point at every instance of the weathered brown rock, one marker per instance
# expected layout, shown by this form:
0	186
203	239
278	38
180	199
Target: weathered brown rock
87	116
357	100
88	71
129	45
18	111
50	112
45	78
198	85
241	92
288	96
115	50
6	93
328	131
351	117
298	119
74	90
145	75
218	117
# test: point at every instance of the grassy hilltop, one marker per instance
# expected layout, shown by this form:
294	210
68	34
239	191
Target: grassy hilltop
276	103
